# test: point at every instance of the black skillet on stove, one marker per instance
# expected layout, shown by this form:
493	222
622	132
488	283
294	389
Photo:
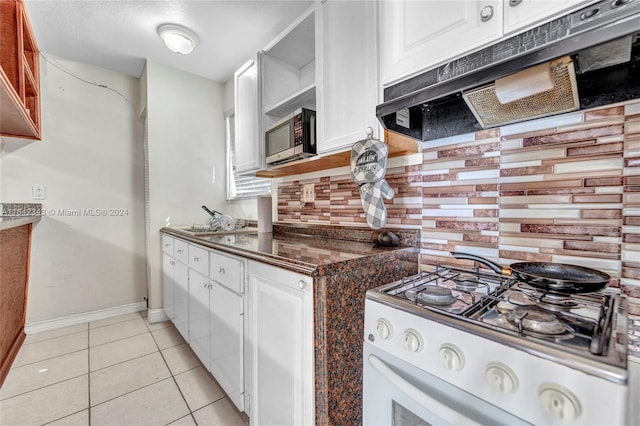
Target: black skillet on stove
556	277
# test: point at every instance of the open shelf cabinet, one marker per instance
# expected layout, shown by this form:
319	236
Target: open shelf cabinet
19	73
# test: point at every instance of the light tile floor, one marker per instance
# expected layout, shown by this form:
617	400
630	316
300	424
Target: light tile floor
118	371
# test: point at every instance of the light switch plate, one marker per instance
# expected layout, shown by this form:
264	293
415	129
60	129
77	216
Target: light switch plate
308	193
39	192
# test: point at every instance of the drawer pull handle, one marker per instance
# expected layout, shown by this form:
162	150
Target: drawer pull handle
302	284
486	13
221	270
179	251
196	259
172	263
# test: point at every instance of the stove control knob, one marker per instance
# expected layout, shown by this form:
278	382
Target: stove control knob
559	402
501	378
412	340
451	357
384	329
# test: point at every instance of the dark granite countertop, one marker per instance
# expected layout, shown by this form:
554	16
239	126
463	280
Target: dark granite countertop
308	254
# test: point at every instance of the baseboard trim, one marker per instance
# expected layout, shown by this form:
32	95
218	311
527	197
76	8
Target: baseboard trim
39	327
156	315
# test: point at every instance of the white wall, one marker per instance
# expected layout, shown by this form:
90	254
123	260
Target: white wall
90	157
186	142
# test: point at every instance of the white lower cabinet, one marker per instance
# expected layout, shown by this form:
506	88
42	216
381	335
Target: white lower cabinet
281	346
181	298
227	341
168	283
199	313
256	339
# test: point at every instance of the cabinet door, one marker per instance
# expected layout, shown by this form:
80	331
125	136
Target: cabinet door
281	335
347	72
227	341
199	333
168	266
417	35
248	139
181	299
520	14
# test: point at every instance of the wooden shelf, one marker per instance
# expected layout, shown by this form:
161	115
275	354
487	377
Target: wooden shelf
19	73
15	120
399	145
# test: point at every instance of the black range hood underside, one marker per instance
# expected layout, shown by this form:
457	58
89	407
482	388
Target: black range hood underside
450	115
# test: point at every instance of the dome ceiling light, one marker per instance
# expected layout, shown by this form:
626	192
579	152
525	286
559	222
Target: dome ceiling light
177	38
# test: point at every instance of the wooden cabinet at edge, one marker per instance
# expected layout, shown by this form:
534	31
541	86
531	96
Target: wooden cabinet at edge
19	73
14	275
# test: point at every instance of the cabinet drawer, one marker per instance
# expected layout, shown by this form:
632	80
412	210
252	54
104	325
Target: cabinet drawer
167	245
199	259
181	251
228	271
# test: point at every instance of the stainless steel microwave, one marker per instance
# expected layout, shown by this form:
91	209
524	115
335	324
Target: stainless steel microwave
291	138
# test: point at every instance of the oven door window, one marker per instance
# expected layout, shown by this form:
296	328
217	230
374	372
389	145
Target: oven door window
404	417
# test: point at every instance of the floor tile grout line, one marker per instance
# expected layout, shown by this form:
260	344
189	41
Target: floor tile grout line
47	359
41	387
123	338
132	391
113	323
173	377
121	362
51	338
64	417
87	324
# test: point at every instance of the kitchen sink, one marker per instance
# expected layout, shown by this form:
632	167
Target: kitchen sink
203	231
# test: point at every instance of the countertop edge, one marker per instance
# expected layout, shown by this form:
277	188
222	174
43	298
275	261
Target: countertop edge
292	265
304	268
9	222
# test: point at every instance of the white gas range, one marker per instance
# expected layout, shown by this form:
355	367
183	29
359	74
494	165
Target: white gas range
461	346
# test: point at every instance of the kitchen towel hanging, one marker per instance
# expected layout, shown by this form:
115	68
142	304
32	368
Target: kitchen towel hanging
368	167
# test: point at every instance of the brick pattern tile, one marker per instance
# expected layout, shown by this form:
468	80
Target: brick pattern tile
567	194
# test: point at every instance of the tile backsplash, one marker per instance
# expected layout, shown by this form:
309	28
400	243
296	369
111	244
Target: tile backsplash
566	194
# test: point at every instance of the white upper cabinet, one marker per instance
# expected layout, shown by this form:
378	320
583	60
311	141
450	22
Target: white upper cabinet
249	143
288	70
347	75
521	14
418	35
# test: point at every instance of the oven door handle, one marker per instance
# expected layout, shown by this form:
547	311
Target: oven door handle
435	406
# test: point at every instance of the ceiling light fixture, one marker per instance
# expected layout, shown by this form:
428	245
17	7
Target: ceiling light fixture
177	38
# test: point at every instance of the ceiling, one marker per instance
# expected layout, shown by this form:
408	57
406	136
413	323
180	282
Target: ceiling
120	34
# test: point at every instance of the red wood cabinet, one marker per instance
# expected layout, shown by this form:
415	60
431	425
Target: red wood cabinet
14	276
19	73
